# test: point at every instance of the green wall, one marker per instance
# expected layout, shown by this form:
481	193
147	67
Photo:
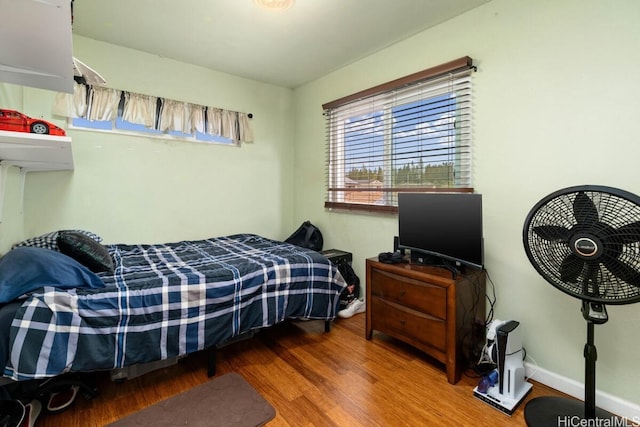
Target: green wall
556	97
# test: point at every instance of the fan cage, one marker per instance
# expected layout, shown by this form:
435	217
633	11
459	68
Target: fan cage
616	227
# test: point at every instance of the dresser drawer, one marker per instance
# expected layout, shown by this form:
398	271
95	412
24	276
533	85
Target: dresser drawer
414	294
415	328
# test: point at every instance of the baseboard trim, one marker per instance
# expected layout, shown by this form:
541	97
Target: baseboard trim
573	388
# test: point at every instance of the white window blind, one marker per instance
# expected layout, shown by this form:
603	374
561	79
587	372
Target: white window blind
412	134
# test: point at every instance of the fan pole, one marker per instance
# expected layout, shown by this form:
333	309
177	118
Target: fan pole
545	411
593	313
590	356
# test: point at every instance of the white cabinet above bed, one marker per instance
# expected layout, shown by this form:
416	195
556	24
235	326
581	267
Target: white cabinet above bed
34	152
37	45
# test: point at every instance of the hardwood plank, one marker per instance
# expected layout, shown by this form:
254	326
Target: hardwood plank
312	378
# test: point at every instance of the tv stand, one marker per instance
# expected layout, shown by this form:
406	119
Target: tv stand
452	268
424	259
428	260
426	308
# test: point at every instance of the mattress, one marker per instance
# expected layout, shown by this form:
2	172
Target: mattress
168	300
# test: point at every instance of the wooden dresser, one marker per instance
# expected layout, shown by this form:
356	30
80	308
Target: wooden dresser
426	307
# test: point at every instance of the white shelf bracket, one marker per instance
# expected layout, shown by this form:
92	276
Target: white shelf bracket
4	168
23	178
3	181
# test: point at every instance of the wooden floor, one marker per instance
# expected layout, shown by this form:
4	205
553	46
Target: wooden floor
312	378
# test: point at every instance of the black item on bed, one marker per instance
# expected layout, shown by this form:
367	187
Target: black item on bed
307	236
85	250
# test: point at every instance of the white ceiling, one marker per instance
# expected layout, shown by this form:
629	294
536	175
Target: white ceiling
286	48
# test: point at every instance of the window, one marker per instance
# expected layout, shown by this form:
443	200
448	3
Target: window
125	126
106	109
411	134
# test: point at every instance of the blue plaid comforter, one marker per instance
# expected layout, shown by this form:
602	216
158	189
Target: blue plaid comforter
169	300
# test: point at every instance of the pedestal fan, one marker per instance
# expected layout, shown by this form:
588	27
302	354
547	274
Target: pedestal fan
585	241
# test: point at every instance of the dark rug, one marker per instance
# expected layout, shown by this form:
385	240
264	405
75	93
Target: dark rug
225	401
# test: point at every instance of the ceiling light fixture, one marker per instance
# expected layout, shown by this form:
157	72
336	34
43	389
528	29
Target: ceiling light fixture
275	4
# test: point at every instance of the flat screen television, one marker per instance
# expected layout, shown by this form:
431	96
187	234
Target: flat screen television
447	226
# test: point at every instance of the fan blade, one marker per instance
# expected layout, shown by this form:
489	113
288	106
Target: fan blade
623	271
629	233
584	210
571	268
552	232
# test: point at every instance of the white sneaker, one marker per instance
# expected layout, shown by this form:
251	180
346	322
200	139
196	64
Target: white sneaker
356	306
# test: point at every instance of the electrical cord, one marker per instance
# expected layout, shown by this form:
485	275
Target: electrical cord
476	331
483	363
535	364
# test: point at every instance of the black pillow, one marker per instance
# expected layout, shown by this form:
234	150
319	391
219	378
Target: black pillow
85	250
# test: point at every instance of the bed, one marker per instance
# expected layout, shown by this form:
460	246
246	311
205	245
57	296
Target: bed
154	302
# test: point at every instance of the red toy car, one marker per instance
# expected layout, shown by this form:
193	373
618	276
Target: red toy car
15	121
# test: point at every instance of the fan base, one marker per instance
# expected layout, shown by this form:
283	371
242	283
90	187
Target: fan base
559	411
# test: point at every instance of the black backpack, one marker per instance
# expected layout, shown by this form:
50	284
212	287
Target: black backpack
307	236
352	291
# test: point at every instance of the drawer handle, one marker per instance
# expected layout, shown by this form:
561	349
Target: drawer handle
402	322
401	293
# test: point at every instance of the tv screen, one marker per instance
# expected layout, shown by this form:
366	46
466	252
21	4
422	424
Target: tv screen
444	225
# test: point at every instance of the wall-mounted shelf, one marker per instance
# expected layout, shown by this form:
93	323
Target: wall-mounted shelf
32	153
